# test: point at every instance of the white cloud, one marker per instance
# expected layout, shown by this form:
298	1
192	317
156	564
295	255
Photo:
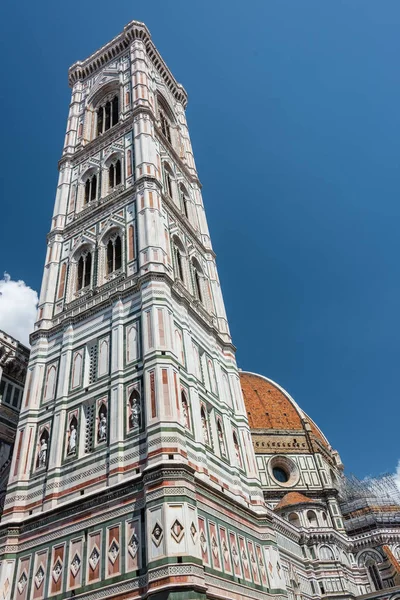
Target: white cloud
18	303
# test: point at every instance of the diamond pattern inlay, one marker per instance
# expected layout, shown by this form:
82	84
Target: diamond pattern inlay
177	530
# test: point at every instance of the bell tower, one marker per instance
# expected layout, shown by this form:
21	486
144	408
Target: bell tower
134	473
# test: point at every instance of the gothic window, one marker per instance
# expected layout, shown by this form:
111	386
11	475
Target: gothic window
90	189
114	174
184	201
197	281
178	262
165	126
84	271
114	254
374	574
185	411
107	115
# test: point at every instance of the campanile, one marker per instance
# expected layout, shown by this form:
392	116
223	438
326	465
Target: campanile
133	473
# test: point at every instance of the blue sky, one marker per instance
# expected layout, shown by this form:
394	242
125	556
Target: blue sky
294	118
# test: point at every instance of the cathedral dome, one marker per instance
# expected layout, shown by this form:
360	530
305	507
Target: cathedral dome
278	424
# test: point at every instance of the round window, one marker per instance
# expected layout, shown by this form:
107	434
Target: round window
283	471
280	474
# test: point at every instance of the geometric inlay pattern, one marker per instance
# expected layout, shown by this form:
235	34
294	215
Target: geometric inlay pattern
133	545
113	551
57	570
23	580
203	541
75	564
177	531
94	557
157	534
39	576
193	531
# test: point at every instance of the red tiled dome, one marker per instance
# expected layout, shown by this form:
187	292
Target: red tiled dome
270	407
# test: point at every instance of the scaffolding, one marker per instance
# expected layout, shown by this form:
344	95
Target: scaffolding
370	503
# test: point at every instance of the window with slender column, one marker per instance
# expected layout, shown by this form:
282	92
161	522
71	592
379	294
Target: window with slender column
84	271
114	254
114	174
178	263
165	126
107	115
197	281
374	574
90	189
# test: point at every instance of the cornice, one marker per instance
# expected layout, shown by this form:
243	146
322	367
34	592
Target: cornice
135	30
101	299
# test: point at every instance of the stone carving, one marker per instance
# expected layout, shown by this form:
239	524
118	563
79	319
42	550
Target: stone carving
204	426
42	456
102	429
75	564
22	581
157	534
185	413
134	417
193	531
57	570
235	555
214	546
94	557
133	545
113	551
221	439
177	531
203	541
39	576
72	437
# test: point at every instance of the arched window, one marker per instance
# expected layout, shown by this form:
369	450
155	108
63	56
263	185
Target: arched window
90	189
165	126
114	254
185	411
294	519
197	282
107	115
326	553
374	575
312	518
178	263
114	174
84	271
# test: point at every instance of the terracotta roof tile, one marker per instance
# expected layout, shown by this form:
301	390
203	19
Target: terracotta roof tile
292	498
268	407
